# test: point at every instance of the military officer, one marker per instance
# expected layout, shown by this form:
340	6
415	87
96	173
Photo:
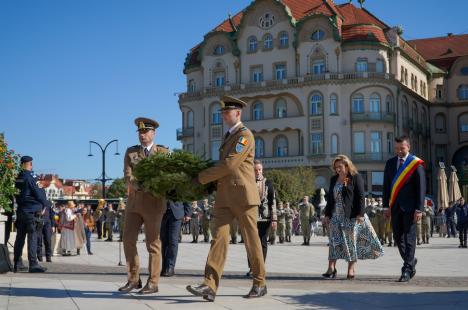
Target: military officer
195	221
281	214
306	213
31	206
206	217
142	208
110	219
289	216
236	197
426	222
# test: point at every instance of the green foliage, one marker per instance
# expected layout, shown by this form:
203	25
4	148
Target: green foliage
292	184
9	168
171	175
117	189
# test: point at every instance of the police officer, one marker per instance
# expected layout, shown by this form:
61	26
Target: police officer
142	208
44	232
31	203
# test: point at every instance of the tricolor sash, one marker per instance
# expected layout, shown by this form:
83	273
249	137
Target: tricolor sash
403	174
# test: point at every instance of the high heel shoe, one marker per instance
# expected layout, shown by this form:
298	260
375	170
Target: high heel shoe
350	277
330	275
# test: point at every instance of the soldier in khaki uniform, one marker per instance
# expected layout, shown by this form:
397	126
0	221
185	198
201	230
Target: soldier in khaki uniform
236	197
306	213
281	214
289	216
206	217
142	208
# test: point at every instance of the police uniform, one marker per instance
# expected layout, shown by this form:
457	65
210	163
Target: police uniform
31	201
236	197
142	208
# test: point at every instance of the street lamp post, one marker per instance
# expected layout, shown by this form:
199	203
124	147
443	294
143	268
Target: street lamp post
103	178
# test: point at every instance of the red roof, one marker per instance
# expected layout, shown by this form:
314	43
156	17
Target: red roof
353	15
363	33
442	51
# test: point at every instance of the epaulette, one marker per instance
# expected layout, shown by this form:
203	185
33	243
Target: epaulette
163	146
243	129
137	146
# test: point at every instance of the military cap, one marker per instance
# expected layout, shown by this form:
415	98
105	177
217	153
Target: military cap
26	159
231	103
144	123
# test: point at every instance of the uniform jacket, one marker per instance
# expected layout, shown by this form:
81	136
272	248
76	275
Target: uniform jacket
234	172
136	196
178	209
353	197
30	197
306	211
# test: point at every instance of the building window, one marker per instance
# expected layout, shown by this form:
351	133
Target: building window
219	78
318	66
463	92
215	145
316	143
362	65
402	74
376	142
374	103
358	142
464	71
266	20
191	86
389	142
334	144
259	148
316	104
416	83
280	71
317	35
257	111
358	103
219	50
377	181
256	75
216	118
389	104
380	66
463	123
283	39
190	119
267	42
280	109
333	104
281	146
440	124
406	76
252	45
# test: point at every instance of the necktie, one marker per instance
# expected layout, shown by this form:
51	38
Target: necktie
146	152
400	162
226	135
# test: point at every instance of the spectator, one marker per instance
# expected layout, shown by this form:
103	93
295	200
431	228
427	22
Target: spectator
88	221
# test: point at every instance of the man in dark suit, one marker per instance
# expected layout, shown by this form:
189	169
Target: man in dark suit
170	227
404	174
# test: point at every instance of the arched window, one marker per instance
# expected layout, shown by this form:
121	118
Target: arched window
190	119
281	146
283	39
440	123
463	92
267	42
259	148
280	108
252	44
219	50
317	35
358	103
389	104
318	66
216	114
374	103
316	104
333	104
334	144
257	111
463	123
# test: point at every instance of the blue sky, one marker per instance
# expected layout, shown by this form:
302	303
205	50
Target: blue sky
74	71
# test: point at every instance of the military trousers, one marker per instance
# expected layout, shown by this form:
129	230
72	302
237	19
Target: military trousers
305	227
247	218
151	217
281	229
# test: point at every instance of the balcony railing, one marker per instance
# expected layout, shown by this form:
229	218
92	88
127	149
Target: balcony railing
371	157
373	116
279	84
184	133
283	162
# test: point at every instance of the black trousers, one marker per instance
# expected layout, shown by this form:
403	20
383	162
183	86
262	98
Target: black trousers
451	230
170	228
404	234
99	228
462	233
263	232
26	227
44	235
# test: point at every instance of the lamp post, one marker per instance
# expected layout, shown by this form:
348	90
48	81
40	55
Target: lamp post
103	178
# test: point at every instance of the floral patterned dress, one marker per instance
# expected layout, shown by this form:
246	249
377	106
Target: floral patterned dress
349	239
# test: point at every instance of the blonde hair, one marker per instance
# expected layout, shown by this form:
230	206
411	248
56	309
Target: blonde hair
347	162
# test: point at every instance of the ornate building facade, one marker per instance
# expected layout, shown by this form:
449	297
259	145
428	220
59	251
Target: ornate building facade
320	79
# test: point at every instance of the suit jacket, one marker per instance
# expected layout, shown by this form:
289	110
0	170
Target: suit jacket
412	194
179	209
234	172
353	197
138	197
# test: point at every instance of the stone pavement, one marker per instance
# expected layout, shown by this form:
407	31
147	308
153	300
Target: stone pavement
294	282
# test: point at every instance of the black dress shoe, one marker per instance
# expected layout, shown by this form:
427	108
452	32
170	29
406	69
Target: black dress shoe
168	273
249	274
413	272
256	291
130	286
405	277
202	290
48	259
330	275
19	267
39	258
37	269
149	289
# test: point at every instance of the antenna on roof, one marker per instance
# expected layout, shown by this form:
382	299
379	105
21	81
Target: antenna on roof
231	21
361	3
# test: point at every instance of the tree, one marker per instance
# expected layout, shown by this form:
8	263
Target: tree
117	189
9	168
292	184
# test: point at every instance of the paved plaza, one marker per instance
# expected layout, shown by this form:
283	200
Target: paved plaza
294	282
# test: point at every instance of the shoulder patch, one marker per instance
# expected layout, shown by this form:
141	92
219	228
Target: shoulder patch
242	140
239	147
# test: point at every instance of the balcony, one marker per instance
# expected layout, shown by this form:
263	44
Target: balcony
296	82
283	162
184	133
373	117
371	157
